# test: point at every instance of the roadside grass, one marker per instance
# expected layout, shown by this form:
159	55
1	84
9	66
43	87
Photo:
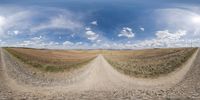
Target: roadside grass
52	60
149	63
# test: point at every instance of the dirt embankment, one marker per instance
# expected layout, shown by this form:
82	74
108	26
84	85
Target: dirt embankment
99	81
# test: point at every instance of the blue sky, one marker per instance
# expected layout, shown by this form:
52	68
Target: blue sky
115	24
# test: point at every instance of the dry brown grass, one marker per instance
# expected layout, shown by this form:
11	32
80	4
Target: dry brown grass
53	60
148	63
138	63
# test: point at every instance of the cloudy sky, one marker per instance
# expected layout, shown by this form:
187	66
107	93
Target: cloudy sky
88	24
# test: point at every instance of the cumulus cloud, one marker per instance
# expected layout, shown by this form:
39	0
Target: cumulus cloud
91	35
126	32
34	41
164	38
94	23
177	18
68	43
37	42
72	45
171	36
142	29
26	43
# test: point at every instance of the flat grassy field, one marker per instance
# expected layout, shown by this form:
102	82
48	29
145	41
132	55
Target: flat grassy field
146	63
149	63
53	60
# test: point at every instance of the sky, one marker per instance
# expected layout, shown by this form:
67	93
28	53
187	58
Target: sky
99	24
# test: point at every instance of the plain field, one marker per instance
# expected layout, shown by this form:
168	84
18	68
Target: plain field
96	77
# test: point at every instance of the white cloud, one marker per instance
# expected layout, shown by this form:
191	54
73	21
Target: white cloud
2	20
52	43
94	23
126	32
87	28
0	42
13	33
171	36
59	22
37	38
13	20
92	38
26	43
19	20
73	45
16	32
2	23
91	35
164	39
142	29
68	43
37	42
98	41
34	42
177	18
79	43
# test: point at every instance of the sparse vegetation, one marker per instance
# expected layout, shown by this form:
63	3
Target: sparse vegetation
52	60
148	63
139	63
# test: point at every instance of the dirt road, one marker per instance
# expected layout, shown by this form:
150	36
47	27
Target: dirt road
97	81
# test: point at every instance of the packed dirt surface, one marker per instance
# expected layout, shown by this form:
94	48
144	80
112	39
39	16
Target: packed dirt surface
97	80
